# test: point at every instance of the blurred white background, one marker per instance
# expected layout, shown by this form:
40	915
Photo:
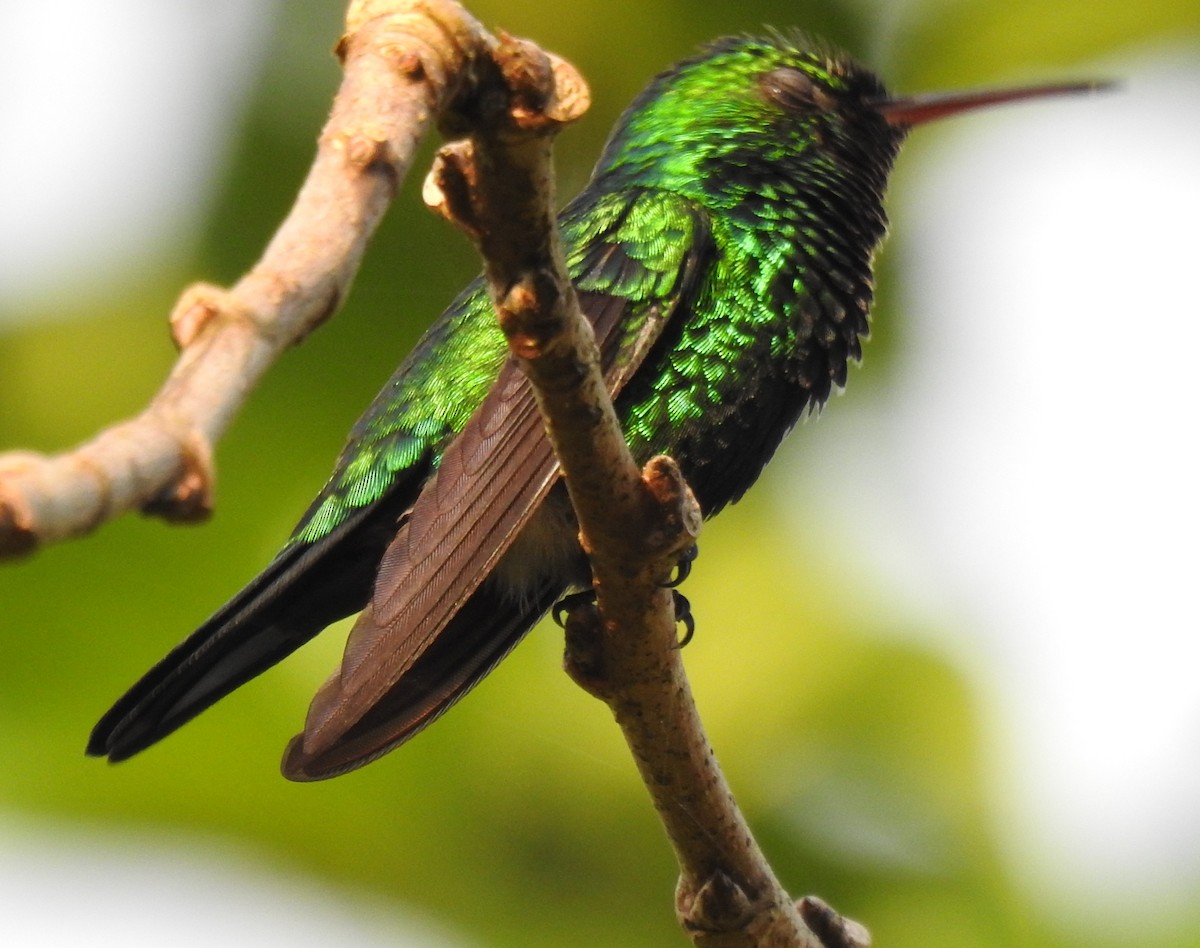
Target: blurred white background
131	151
1028	477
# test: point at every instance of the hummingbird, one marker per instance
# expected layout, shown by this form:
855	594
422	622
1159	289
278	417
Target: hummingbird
723	253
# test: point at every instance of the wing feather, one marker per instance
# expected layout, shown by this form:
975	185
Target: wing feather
492	479
462	524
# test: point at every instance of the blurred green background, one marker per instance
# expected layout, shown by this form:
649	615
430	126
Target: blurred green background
519	820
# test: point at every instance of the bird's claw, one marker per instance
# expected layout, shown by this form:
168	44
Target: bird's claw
683	610
683	613
683	568
565	606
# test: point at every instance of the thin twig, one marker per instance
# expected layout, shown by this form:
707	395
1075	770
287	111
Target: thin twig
403	62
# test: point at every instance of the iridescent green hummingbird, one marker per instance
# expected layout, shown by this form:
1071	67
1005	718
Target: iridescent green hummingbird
723	253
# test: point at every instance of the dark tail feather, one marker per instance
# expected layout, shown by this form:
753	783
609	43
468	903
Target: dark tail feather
258	628
480	634
303	590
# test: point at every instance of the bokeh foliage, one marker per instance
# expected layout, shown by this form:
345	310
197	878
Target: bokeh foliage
519	819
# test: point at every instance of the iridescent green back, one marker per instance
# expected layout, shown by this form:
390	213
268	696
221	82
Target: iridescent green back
788	182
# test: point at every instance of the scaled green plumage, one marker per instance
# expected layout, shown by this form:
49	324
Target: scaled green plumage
789	285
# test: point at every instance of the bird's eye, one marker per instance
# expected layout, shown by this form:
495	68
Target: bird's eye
796	91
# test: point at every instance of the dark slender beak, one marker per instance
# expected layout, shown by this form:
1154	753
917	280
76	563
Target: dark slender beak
919	109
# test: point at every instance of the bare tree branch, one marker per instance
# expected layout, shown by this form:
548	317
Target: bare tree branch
403	64
498	187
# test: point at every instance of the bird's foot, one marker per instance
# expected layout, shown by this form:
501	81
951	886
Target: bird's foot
683	610
683	568
683	613
568	604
